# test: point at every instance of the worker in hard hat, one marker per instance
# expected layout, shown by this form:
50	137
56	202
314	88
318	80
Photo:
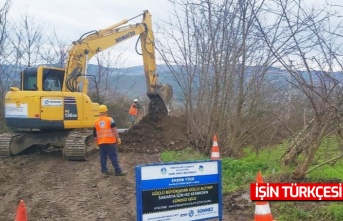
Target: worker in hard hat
134	111
106	137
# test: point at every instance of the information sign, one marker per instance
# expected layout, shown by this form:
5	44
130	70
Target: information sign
179	191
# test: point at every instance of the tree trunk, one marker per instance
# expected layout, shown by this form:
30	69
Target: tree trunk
300	172
298	144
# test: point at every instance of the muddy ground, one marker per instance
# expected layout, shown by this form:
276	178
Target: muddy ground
56	189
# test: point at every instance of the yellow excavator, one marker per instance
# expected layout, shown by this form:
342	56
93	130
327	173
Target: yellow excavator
52	108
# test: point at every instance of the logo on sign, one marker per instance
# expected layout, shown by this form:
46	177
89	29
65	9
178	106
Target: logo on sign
205	210
163	170
190	213
201	168
49	102
15	110
183	214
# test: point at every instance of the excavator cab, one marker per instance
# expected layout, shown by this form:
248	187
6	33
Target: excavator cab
42	78
25	108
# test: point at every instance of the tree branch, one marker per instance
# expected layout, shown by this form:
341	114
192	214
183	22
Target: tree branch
326	162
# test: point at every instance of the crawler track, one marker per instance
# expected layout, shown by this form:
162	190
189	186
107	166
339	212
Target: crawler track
79	145
5	141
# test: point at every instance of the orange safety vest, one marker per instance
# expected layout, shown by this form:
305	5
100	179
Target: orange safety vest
104	131
133	110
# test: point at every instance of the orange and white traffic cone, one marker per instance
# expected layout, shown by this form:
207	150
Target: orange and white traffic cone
215	149
21	212
262	209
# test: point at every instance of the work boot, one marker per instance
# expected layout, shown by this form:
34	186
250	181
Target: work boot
105	174
122	173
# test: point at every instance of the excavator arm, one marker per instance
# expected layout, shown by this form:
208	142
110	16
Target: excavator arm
94	42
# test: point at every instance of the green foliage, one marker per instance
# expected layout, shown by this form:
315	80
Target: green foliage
290	211
187	154
295	211
238	173
333	212
329	149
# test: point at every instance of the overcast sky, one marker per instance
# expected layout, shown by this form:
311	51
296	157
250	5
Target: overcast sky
72	18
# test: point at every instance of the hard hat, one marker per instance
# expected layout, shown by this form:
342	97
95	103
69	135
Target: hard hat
103	108
135	100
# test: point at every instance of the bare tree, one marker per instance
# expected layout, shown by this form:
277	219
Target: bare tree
220	62
6	65
54	52
27	41
108	74
308	37
105	84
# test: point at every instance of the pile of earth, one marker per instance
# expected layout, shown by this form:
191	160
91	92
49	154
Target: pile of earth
156	135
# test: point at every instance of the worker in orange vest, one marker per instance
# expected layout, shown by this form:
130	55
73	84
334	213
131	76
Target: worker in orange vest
134	111
106	137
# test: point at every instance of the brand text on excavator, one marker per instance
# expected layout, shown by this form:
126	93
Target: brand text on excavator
122	38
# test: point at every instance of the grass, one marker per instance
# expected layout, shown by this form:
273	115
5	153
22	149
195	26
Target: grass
334	210
238	174
295	211
182	155
291	211
328	150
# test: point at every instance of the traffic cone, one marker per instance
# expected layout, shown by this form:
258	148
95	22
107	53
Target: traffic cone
215	149
262	209
21	212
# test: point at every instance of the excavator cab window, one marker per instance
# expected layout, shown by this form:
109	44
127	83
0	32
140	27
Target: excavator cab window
29	79
52	79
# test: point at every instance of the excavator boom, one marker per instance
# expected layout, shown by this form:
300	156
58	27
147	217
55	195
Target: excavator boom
86	47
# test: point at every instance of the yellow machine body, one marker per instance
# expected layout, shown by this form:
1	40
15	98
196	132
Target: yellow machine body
47	107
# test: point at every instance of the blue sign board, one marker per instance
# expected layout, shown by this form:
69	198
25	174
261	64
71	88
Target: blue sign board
179	191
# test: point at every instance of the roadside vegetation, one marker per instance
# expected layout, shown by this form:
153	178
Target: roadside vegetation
237	174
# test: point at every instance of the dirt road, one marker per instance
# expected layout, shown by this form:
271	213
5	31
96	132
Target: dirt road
56	189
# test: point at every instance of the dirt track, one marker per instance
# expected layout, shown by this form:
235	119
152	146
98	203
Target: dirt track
56	189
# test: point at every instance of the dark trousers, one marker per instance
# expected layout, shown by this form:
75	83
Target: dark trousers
109	150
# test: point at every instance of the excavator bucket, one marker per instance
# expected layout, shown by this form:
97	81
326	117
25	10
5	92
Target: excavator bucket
160	100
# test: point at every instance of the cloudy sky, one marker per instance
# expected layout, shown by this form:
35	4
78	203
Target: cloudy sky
72	18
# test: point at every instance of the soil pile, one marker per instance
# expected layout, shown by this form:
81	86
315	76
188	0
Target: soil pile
156	135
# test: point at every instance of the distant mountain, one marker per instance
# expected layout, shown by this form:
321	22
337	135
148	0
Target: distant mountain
132	82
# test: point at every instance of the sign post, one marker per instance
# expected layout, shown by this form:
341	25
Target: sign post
179	191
